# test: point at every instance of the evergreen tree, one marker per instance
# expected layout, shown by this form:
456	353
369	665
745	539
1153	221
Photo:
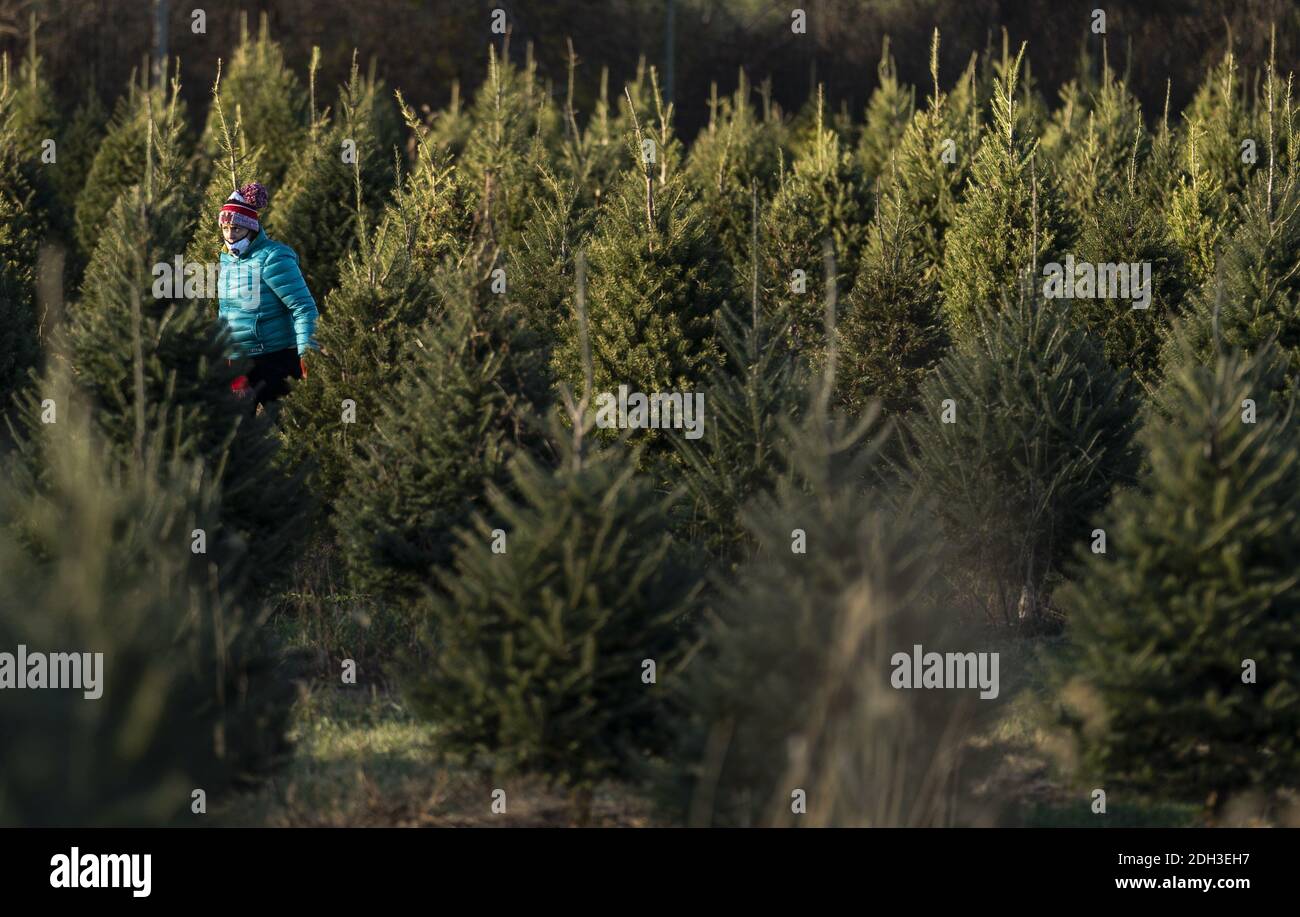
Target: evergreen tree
515	129
1254	297
450	128
77	149
638	97
538	260
34	121
81	141
1001	69
1160	173
1221	117
33	108
1071	116
323	202
889	111
147	355
467	390
119	160
384	296
792	690
929	169
541	263
537	653
21	229
429	210
1185	626
1127	231
736	154
97	558
1095	164
1023	430
750	394
752	391
656	280
824	197
267	99
235	165
892	333
1199	215
606	133
1010	220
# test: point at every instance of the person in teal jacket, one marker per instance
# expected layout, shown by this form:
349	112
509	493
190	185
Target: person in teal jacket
263	300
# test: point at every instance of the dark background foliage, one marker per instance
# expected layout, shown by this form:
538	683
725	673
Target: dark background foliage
428	44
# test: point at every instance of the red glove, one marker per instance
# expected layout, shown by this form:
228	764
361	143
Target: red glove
240	386
302	365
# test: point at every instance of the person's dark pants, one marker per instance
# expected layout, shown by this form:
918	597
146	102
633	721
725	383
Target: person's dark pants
270	375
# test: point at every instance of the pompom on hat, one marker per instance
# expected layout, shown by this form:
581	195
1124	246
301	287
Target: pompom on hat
242	206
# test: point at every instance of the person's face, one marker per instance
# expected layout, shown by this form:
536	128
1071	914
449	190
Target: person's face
232	233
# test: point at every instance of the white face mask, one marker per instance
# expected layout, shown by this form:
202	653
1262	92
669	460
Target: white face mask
238	248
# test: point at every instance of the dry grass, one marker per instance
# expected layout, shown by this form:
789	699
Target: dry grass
364	761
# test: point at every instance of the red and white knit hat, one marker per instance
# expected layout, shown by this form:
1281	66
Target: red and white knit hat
242	206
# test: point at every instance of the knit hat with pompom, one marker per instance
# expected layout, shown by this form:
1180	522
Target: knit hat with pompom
242	206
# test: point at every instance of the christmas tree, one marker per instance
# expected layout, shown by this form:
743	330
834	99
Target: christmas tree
317	210
145	355
33	108
1221	117
889	111
1022	432
1127	231
99	560
738	153
1199	215
540	265
1252	299
1160	174
656	279
77	149
1076	98
430	209
550	632
1002	70
470	385
119	159
790	701
384	296
1185	623
892	333
449	128
752	391
1095	163
607	130
34	121
823	197
537	257
21	229
515	129
1011	218
932	161
269	101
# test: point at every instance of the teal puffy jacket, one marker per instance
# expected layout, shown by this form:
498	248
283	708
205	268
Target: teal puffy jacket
264	301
